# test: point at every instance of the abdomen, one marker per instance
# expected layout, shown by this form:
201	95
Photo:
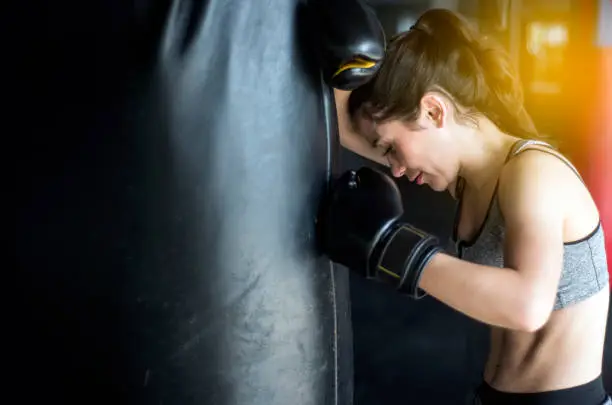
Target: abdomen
566	352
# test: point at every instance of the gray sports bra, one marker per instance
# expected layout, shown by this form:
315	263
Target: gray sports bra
585	269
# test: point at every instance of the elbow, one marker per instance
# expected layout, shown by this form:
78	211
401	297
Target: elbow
533	313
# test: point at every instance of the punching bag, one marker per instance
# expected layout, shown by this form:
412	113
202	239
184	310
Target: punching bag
173	162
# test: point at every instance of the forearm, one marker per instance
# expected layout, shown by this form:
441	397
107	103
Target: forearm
349	138
499	297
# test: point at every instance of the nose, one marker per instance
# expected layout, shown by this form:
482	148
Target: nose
396	169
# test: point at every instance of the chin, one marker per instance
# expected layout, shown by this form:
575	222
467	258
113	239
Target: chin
438	186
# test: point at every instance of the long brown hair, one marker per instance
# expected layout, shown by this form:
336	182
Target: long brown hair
444	52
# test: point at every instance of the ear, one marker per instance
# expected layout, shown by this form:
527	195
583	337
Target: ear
435	109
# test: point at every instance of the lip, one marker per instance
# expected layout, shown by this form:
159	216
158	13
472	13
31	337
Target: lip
419	179
417	176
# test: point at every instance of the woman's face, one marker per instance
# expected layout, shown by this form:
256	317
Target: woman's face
424	151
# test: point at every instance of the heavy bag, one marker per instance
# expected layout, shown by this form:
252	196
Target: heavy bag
170	174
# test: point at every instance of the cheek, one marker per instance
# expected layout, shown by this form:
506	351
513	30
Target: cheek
440	153
448	168
407	152
426	147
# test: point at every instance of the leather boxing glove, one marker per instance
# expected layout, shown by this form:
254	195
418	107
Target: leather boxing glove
362	229
350	41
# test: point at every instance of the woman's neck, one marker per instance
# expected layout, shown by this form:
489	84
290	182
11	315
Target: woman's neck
485	156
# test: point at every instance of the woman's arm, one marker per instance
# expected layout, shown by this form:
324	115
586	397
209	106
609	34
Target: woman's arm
349	138
521	295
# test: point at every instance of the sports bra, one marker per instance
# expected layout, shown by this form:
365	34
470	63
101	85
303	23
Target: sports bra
585	270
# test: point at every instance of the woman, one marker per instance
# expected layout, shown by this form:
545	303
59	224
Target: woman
446	110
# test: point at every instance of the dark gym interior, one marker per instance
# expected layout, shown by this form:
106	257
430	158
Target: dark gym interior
113	193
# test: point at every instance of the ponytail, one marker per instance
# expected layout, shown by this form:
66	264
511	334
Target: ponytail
503	100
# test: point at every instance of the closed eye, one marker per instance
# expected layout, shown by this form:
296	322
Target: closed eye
379	145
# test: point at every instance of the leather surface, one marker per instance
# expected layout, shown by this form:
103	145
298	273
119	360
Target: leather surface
172	168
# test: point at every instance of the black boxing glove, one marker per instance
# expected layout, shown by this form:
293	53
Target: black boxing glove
361	229
350	41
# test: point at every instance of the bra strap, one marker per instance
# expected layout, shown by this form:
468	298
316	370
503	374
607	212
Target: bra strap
527	144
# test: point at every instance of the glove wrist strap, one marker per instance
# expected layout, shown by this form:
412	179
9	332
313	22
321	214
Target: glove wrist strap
404	256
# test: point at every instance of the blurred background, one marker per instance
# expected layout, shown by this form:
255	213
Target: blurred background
406	352
562	51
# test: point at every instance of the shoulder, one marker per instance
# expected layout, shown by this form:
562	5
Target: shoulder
539	189
535	183
535	166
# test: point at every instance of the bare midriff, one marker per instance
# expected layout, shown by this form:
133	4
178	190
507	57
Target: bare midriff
565	353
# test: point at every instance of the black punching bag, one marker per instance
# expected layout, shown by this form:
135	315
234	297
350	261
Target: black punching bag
171	168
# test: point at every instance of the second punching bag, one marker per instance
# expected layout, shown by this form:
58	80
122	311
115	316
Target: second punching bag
173	164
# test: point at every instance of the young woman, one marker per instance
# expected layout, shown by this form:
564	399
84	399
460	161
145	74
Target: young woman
446	110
